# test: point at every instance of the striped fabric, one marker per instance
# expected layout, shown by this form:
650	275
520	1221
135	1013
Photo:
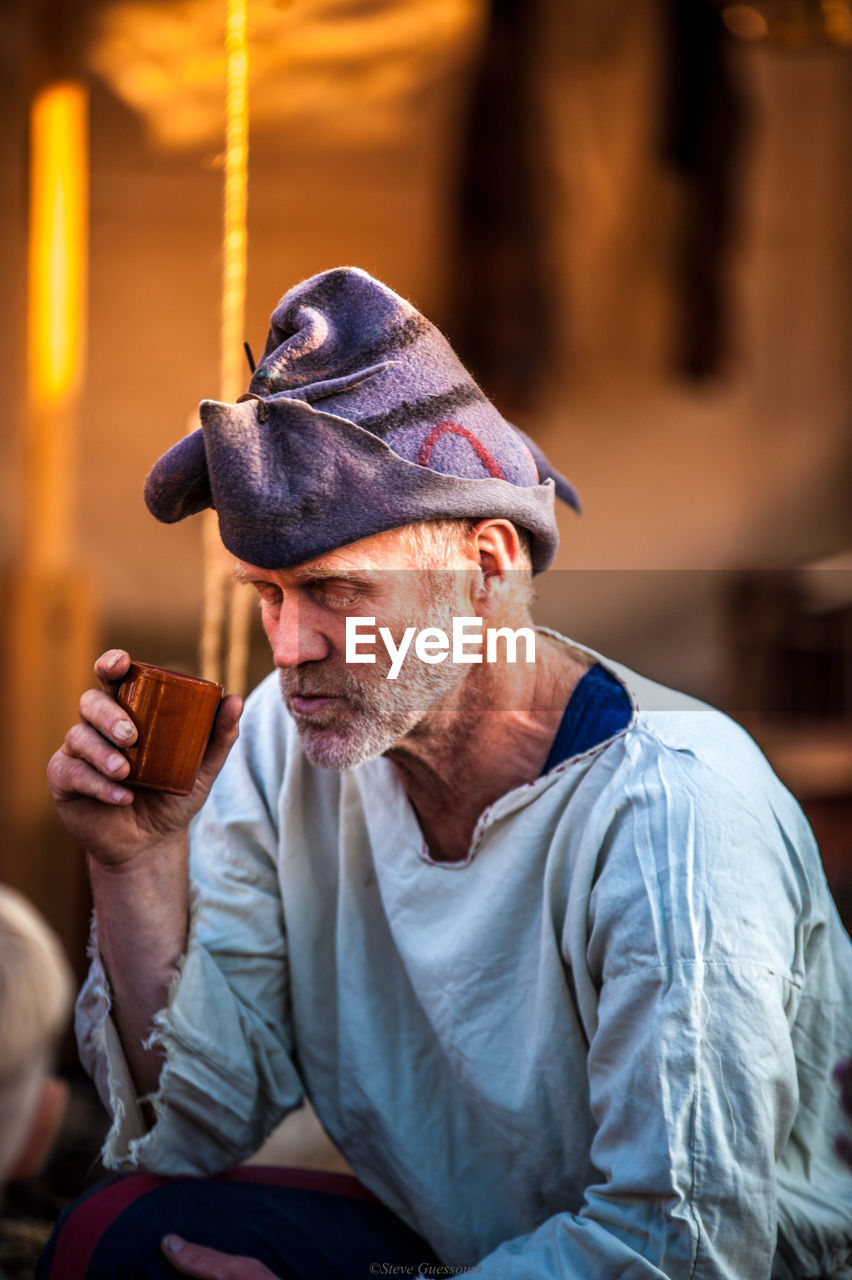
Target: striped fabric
303	1224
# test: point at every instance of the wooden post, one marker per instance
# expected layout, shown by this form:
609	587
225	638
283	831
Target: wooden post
48	638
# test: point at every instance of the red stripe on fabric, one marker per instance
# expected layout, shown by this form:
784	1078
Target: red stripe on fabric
335	1184
83	1229
454	429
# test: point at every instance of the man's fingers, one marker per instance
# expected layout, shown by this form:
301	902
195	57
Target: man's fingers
85	743
88	764
70	777
210	1264
228	719
111	667
104	714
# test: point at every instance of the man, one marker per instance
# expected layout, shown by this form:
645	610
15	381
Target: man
548	947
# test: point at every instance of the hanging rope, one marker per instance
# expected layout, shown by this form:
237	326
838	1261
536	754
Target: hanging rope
220	595
236	200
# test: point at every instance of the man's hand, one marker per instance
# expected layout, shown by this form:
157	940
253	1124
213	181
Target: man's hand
85	776
210	1264
138	855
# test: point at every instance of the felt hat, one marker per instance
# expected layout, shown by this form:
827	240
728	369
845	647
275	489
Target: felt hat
359	418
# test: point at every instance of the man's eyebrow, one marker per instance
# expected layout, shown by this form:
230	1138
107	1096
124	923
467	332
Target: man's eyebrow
306	573
240	574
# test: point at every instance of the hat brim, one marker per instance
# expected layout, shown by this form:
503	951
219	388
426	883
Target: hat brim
337	483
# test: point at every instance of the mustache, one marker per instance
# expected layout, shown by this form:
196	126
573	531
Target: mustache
328	683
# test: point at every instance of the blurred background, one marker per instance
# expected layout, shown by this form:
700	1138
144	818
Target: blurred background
633	219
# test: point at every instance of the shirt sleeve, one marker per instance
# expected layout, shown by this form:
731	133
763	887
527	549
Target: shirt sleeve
691	937
228	1076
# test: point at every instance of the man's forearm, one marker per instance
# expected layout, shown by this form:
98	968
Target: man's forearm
142	915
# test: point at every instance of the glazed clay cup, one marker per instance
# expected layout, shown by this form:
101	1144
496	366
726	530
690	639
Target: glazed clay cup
174	716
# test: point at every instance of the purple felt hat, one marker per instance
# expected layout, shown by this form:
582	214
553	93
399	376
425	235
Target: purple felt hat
358	419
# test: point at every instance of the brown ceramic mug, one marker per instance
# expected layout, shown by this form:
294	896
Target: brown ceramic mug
174	716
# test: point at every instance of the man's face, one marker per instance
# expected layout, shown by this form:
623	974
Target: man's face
346	714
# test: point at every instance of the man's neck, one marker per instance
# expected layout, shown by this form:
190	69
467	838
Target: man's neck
496	737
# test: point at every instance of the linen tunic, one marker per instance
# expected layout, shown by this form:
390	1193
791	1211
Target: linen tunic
600	1046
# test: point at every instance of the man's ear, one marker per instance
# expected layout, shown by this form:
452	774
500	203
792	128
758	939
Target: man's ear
44	1126
498	546
495	545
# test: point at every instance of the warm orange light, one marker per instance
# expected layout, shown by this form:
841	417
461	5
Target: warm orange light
745	21
58	217
328	71
837	19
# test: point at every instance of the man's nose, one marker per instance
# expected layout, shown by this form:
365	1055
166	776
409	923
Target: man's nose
295	634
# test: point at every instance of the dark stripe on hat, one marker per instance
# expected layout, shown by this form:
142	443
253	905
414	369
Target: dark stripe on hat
395	339
429	409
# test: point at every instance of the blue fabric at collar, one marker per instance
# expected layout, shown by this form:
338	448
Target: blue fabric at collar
597	709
